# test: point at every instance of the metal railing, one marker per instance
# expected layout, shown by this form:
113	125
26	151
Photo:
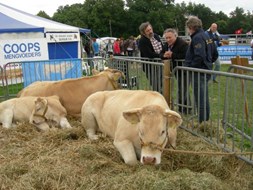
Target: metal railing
230	120
141	73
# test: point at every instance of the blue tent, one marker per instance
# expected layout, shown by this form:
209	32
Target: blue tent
62	41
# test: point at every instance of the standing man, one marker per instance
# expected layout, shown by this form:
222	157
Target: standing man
109	48
199	56
175	48
251	45
215	37
150	46
95	46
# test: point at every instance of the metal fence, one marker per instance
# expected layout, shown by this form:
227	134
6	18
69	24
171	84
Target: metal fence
231	112
141	73
3	92
16	76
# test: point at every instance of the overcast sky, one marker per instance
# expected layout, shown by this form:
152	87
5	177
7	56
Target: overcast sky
50	6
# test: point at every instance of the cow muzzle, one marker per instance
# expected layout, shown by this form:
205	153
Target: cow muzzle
151	152
149	160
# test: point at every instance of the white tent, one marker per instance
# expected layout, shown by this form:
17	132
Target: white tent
25	37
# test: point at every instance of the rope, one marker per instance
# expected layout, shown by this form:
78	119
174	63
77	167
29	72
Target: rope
208	153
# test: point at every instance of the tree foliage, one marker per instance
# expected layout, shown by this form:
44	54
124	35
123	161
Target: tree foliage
44	15
123	17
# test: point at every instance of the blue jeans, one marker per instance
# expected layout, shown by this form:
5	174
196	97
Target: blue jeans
200	88
216	67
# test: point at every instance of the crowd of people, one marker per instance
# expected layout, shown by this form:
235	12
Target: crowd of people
200	53
118	47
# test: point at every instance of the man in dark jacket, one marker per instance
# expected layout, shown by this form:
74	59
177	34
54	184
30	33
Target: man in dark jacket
150	47
199	56
150	44
175	48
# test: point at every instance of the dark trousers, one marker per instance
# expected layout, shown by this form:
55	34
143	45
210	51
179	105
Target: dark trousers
200	88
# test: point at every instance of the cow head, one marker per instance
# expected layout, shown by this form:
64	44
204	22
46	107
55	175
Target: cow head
153	123
113	76
49	109
38	116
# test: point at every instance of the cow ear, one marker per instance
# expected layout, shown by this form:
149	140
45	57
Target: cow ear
173	118
95	72
40	101
132	116
117	74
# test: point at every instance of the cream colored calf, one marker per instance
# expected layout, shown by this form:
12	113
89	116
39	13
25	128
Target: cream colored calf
36	110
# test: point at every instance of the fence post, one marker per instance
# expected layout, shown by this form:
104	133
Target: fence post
242	62
167	82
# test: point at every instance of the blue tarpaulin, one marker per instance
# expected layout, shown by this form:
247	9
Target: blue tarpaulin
229	51
52	70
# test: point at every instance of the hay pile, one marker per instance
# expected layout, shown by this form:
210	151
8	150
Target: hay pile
67	159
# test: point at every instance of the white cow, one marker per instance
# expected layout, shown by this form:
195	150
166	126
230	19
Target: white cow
39	111
140	122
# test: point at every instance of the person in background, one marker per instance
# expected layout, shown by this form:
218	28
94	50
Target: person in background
109	48
199	56
251	45
130	46
89	51
175	48
95	46
215	37
116	47
121	45
137	51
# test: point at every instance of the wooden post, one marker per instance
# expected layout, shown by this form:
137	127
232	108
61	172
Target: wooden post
167	82
242	62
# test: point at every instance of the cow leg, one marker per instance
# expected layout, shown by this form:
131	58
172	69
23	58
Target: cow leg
127	151
7	119
90	125
64	123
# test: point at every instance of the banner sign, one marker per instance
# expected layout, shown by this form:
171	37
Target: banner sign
23	50
62	37
52	70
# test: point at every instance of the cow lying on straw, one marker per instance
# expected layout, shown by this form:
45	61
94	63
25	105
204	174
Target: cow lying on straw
140	122
38	111
73	92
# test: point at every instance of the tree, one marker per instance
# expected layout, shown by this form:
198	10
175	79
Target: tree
154	11
238	20
123	17
105	17
44	15
71	15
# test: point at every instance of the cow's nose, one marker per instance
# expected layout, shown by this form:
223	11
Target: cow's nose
148	160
